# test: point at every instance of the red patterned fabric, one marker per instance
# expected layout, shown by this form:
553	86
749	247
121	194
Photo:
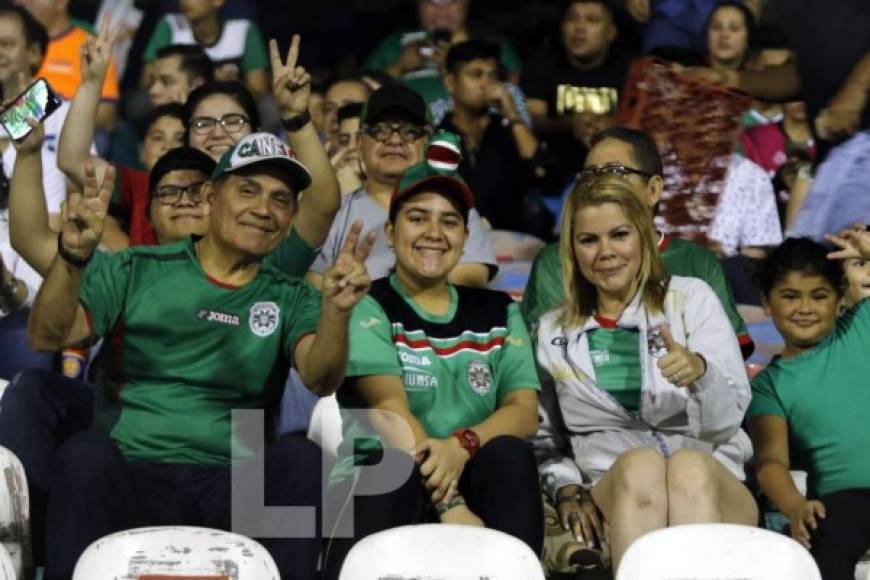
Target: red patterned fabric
695	126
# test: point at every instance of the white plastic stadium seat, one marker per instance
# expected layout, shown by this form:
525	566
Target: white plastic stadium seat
14	514
7	567
325	425
175	552
716	551
442	551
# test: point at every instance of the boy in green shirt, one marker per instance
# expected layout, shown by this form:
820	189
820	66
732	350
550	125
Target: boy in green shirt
809	406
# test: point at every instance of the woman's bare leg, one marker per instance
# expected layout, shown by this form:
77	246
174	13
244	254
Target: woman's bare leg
702	490
632	495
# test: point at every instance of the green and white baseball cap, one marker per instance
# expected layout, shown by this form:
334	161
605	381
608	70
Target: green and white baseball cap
263	148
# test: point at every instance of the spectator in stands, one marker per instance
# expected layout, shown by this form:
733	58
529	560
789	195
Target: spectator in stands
785	149
178	69
669	24
62	64
770	145
418	57
14	291
833	78
809	405
167	459
746	219
341	92
347	160
573	86
396	126
40	410
730	30
496	146
659	424
164	130
633	155
218	115
235	46
23	42
469	408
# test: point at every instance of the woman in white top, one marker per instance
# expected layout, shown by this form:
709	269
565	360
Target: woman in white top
643	385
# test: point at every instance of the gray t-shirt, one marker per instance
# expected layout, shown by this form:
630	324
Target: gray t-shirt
359	205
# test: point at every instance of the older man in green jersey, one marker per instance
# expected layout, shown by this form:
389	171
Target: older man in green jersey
195	330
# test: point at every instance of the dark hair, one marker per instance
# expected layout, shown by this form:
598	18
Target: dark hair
349	111
643	148
34	32
465	52
174	110
748	20
798	255
233	89
195	63
179	159
603	3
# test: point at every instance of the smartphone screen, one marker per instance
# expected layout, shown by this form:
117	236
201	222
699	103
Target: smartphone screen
37	102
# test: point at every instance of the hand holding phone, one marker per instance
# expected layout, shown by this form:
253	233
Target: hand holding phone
37	102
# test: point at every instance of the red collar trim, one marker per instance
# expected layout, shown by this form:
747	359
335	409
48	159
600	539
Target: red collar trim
605	322
220	284
664	242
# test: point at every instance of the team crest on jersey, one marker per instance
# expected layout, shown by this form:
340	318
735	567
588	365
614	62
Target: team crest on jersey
479	377
264	318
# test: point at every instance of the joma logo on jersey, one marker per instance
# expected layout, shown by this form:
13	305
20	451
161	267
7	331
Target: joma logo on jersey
414	359
219	317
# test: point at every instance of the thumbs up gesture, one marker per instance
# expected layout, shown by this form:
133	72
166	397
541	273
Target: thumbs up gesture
680	366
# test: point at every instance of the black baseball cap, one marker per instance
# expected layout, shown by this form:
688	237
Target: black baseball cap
398	98
180	159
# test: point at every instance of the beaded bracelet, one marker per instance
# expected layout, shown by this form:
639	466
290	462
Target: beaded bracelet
443	507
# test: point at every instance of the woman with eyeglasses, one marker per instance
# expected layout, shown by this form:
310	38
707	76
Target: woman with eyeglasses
643	385
217	115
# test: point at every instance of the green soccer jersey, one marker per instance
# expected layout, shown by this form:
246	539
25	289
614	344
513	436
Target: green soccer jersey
182	351
293	256
681	258
426	81
616	360
824	395
456	368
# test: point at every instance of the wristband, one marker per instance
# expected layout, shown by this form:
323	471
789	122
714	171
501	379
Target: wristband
293	124
442	507
468	440
69	258
578	497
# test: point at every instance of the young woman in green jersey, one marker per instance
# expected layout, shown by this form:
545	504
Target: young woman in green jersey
809	406
454	366
643	387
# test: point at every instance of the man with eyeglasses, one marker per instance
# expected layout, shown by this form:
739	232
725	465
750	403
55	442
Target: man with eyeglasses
632	155
396	126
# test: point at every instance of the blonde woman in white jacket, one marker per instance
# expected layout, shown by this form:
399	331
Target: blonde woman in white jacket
643	384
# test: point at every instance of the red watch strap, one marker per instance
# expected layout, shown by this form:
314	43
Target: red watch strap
468	440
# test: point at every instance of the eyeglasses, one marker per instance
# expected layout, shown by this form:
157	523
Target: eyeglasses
383	132
231	123
614	169
171	194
